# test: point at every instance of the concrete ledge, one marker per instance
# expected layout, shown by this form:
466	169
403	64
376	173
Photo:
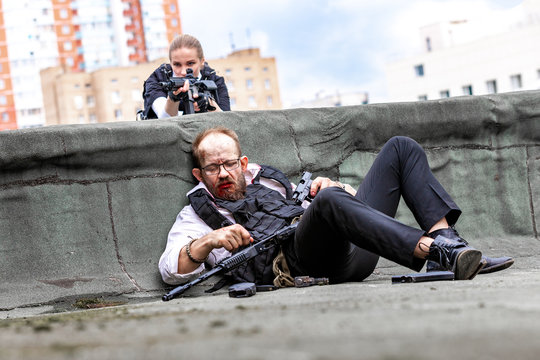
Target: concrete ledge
86	209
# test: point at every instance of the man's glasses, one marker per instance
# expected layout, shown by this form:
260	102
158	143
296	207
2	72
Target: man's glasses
213	169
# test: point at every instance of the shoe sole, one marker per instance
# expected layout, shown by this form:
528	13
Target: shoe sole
468	264
499	267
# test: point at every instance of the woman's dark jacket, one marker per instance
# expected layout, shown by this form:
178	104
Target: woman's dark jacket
152	89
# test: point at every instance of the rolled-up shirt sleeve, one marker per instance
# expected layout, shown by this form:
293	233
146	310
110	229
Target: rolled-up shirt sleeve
186	227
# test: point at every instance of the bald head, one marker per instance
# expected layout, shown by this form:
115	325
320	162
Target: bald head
213	140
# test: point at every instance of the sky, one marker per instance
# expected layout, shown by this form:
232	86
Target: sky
325	46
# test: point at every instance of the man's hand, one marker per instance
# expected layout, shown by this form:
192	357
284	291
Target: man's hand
322	182
230	237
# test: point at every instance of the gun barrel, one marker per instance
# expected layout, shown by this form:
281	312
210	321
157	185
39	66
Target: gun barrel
183	288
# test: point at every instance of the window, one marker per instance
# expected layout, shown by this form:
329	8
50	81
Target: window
249	84
267	84
90	101
428	44
228	71
118	114
265	69
538	73
81	119
491	86
247	68
134	79
115	97
92	118
467	89
269	100
69	61
5	117
66	29
114	81
252	102
419	70
174	22
515	81
230	85
2	84
63	13
136	95
233	101
78	100
422	97
444	93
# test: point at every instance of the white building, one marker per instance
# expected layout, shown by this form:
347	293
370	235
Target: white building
498	53
332	100
78	35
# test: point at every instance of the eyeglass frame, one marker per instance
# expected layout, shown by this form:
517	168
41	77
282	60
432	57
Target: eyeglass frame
203	169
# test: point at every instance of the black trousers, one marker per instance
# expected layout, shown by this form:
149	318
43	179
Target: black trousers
341	236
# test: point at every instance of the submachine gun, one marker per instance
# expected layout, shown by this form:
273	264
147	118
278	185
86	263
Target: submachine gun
300	194
204	89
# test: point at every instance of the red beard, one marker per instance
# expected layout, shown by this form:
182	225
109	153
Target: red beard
228	189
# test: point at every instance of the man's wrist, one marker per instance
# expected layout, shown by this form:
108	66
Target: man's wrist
190	254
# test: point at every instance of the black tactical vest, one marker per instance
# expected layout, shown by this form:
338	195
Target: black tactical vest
262	212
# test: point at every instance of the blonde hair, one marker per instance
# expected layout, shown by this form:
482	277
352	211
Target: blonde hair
186	41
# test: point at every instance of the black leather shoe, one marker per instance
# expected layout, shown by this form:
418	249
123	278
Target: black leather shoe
464	261
496	264
491	264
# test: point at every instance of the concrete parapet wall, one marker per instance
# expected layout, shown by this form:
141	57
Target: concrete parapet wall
86	208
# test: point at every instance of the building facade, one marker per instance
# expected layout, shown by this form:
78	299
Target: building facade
496	54
252	80
104	95
337	99
76	36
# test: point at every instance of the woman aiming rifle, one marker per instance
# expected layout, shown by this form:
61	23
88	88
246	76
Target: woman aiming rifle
185	52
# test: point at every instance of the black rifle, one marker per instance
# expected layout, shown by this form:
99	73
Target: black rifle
204	89
300	194
237	259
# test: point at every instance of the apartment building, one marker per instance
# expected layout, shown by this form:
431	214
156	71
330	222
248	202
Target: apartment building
498	53
104	95
252	80
76	36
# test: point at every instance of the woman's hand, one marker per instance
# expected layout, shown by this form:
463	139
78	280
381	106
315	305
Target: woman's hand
214	104
171	105
183	89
